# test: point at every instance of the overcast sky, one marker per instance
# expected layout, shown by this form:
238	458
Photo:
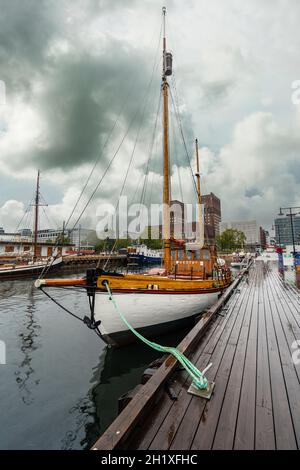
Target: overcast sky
73	68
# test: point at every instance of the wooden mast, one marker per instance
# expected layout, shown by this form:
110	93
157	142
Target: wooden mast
166	165
198	173
36	216
199	191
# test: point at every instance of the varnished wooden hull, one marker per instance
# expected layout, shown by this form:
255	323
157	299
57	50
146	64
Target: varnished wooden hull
150	312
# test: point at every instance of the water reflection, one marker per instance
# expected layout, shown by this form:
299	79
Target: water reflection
30	332
117	372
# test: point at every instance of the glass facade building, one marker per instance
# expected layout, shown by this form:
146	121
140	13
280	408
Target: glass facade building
283	230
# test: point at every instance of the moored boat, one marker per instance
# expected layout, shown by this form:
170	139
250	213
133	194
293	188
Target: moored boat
32	265
142	255
190	280
14	271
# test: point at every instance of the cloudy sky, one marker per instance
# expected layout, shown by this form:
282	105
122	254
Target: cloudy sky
82	82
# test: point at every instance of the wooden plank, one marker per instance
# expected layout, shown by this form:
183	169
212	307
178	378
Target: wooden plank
284	314
168	430
292	303
116	435
245	432
284	431
168	427
264	432
153	423
195	405
224	437
288	368
205	434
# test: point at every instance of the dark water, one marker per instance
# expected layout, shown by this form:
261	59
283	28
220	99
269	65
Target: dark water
60	386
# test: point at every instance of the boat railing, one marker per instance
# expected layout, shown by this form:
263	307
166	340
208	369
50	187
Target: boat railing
192	269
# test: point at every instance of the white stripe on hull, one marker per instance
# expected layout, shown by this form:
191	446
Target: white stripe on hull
144	310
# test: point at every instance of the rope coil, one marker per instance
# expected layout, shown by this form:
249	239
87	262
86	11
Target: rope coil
197	376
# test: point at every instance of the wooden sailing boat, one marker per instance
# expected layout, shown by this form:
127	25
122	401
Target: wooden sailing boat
35	265
155	303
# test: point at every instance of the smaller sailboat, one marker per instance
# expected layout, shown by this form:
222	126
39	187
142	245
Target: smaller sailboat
189	281
33	265
241	260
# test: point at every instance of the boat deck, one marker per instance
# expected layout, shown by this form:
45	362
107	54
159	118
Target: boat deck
255	404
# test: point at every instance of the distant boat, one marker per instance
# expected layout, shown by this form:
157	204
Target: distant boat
142	255
33	265
240	262
32	268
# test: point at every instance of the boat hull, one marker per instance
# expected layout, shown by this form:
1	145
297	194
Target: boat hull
27	271
141	259
151	314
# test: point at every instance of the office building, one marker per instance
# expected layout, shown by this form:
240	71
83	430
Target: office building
284	230
249	227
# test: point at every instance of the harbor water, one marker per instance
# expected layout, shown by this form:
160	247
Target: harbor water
60	386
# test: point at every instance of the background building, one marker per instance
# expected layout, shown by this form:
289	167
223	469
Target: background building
252	231
283	230
14	249
264	235
181	228
212	216
78	236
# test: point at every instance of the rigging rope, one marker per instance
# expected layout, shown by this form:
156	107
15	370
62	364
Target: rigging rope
24	215
126	133
134	147
155	64
197	376
107	140
179	123
91	324
176	156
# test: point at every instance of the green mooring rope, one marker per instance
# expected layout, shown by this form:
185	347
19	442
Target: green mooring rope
198	377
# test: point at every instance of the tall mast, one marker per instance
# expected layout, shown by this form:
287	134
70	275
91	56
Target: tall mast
201	227
166	165
198	173
36	215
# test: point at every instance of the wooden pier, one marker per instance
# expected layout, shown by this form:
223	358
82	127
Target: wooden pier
115	260
256	400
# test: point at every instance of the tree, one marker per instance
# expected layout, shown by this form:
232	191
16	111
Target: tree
231	239
110	244
62	240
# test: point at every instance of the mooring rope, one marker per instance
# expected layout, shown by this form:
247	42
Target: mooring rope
198	377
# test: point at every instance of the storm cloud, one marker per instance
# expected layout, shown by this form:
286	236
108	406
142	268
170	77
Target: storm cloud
72	67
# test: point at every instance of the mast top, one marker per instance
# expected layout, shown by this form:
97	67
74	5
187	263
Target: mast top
167	56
